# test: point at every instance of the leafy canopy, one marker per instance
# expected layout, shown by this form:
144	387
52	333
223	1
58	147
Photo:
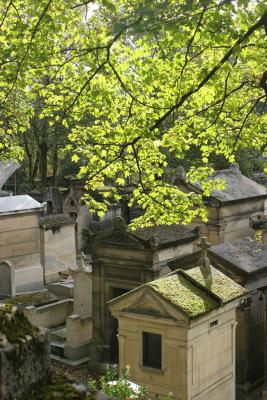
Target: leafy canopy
138	82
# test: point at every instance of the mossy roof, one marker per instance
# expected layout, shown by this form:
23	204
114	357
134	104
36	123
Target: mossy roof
219	284
194	293
32	299
55	220
183	294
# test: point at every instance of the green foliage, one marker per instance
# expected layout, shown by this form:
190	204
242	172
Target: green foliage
132	81
120	388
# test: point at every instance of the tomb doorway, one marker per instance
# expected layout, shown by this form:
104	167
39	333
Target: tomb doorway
6	280
114	345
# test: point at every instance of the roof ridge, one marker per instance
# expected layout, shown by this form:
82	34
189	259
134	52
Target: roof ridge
199	285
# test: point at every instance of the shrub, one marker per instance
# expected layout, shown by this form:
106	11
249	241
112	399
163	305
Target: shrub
120	388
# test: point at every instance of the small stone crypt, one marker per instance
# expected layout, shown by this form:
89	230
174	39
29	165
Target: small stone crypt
177	333
244	261
230	210
20	255
123	260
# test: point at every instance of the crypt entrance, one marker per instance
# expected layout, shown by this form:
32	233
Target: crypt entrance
6	280
113	328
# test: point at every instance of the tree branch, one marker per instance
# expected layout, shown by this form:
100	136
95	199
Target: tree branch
207	78
35	30
6	12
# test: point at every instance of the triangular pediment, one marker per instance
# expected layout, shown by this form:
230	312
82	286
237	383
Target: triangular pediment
119	237
144	301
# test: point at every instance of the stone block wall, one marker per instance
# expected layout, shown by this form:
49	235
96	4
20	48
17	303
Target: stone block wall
58	250
50	315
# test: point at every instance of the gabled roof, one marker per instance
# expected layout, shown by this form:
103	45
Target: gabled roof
166	235
237	186
246	256
156	237
182	293
18	204
218	284
194	292
118	235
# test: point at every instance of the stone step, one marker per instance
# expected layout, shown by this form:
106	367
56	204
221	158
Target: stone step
63	290
57	348
66	361
58	334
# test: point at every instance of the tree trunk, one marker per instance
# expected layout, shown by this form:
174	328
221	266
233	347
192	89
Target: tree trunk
35	168
43	164
55	164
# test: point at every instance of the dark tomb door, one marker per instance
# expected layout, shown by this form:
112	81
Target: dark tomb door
6	280
114	344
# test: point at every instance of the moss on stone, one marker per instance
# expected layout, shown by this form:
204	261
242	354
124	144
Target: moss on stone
55	221
15	326
184	294
34	299
60	388
218	283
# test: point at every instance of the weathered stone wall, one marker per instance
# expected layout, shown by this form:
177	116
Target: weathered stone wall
211	356
250	344
50	315
82	294
58	251
20	239
230	221
22	367
161	256
20	245
24	355
198	361
115	270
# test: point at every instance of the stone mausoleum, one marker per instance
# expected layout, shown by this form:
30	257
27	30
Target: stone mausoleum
231	210
177	333
20	259
123	260
58	247
244	261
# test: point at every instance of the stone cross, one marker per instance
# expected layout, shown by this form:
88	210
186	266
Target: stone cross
204	262
204	245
